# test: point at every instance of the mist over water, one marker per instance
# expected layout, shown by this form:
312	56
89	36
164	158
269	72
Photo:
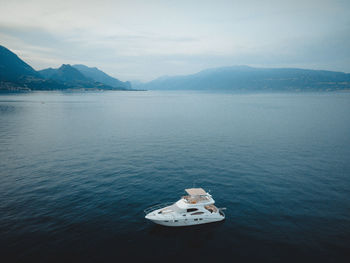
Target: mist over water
78	169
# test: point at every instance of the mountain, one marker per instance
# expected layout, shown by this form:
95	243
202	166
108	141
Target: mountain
16	75
47	73
74	79
12	68
244	78
65	73
100	76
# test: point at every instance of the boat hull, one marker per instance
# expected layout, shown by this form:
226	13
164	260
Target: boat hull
188	222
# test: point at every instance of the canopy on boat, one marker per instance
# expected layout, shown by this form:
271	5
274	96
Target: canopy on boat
195	191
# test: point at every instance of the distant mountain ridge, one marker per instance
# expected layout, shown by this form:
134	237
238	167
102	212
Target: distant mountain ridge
245	78
17	75
100	76
65	73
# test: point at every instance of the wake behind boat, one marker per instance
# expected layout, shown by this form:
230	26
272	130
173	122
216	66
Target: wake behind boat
193	209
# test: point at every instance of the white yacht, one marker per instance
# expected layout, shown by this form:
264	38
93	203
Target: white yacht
193	209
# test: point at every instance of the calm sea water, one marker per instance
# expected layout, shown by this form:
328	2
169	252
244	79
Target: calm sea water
78	169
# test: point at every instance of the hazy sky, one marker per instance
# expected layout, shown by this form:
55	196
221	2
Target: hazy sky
146	39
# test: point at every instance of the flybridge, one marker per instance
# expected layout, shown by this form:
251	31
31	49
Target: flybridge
196	191
197	195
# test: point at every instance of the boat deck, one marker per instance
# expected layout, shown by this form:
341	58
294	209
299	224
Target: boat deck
211	208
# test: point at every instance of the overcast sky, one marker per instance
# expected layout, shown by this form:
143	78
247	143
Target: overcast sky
142	40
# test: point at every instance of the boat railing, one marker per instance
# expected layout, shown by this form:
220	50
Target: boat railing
157	206
194	199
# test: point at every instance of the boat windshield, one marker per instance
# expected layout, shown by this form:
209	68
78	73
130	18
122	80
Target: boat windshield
169	209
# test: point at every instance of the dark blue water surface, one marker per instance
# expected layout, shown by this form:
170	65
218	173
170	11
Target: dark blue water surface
78	169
